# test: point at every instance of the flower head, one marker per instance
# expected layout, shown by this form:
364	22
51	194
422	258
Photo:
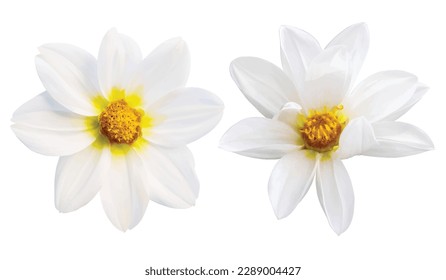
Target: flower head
120	124
314	119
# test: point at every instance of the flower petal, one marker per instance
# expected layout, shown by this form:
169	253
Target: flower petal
289	113
171	176
260	138
118	58
46	127
297	48
263	84
418	93
335	193
289	182
356	40
398	139
52	142
79	177
124	197
165	69
356	138
381	95
69	75
327	79
183	116
44	112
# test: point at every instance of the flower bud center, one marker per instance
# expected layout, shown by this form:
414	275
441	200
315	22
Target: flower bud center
120	123
321	130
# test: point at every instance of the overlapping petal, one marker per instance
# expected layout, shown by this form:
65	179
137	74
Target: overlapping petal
289	182
48	128
289	113
79	177
382	95
297	49
118	58
165	69
417	94
183	116
398	139
170	175
69	75
355	39
335	193
260	138
263	84
356	138
327	79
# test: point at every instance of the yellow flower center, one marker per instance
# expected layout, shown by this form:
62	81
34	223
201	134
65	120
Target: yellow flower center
321	129
120	123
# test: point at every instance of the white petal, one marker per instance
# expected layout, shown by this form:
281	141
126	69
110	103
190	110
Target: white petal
46	127
171	176
69	75
165	69
44	112
288	114
263	84
260	138
335	193
381	95
118	58
327	79
397	139
418	93
356	138
52	142
183	116
289	182
79	177
124	197
356	40
297	48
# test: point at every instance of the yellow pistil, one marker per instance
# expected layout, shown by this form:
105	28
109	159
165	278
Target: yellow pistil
120	123
321	129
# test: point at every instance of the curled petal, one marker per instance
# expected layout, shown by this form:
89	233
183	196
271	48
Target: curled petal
335	193
356	138
398	139
289	113
260	138
289	182
183	116
263	84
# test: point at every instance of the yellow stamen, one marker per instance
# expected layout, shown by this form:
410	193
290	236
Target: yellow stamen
120	123
321	129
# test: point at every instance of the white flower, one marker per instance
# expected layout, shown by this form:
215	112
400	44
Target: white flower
314	119
120	124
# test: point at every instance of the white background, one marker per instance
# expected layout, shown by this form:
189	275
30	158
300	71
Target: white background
398	230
